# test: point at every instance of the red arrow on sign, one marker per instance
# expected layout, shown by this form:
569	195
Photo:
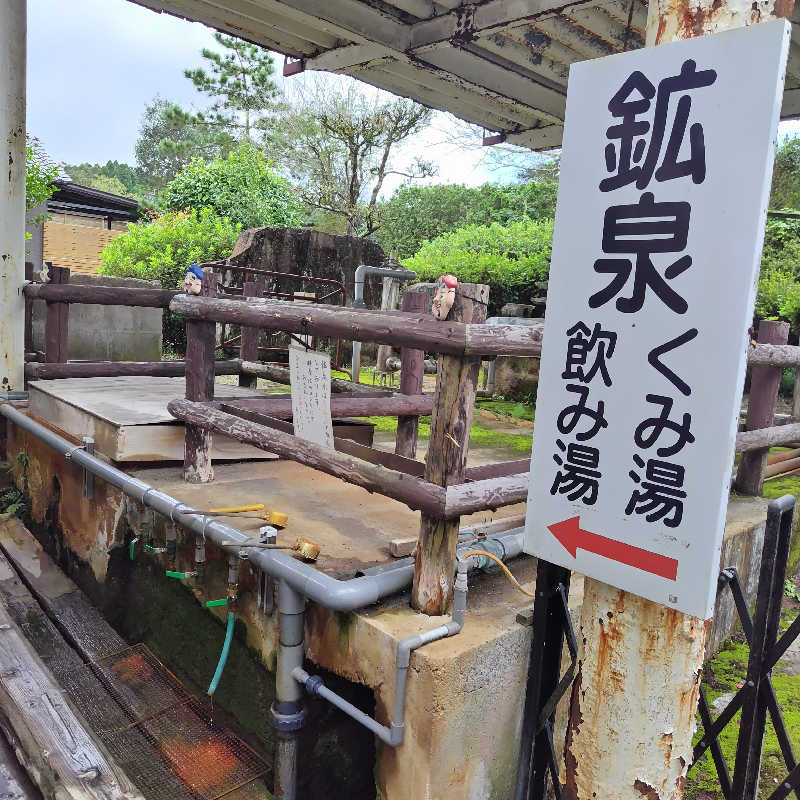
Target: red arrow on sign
574	538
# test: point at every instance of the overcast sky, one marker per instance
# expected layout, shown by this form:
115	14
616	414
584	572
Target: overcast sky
93	69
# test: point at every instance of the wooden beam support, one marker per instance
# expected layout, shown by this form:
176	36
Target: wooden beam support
412	372
56	326
347	446
764	384
201	337
446	462
414	492
248	347
400	329
764	438
113	369
100	295
775	355
343	406
279	374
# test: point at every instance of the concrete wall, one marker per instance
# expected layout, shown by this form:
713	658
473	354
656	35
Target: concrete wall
107	333
34	247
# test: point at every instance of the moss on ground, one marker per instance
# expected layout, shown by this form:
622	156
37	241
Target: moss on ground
726	674
479	436
508	408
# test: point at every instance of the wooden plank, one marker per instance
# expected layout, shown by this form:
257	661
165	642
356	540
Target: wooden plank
499	470
54	744
412	372
200	344
114	369
446	461
764	384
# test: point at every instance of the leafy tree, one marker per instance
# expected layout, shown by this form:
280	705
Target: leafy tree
510	258
113	176
338	145
415	214
169	139
241	187
161	250
786	175
40	173
240	82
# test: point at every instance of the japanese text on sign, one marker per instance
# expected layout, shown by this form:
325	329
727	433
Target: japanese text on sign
649	300
310	376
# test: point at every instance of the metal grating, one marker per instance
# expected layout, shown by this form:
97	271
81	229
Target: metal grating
160	735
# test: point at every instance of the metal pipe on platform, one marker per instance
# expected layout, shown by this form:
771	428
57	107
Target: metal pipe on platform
338	595
287	713
358	300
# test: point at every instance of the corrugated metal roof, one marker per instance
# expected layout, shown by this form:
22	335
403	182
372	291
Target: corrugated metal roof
502	64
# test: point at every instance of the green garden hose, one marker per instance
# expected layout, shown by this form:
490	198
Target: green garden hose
223	656
217	603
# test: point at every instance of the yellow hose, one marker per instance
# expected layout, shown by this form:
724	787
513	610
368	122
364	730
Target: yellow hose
237	509
502	566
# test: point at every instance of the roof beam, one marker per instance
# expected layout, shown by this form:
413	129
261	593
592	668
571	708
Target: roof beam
465	23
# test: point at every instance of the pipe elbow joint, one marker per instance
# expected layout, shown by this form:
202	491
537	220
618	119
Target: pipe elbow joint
404	648
396	733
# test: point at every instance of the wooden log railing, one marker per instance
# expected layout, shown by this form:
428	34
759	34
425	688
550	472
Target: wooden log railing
401	329
417	493
113	369
100	295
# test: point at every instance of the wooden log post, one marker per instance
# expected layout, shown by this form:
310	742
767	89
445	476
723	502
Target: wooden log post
56	327
764	384
201	342
446	462
412	371
248	349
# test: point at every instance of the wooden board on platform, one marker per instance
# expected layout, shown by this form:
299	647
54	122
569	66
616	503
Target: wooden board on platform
48	737
128	417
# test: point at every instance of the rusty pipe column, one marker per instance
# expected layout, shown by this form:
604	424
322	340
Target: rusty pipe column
632	712
13	31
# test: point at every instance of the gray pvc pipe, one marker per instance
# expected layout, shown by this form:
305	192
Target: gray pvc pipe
329	592
358	300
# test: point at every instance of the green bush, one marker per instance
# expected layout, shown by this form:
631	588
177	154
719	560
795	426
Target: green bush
510	258
161	250
241	187
416	214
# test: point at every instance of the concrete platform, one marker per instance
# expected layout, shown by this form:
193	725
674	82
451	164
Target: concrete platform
128	417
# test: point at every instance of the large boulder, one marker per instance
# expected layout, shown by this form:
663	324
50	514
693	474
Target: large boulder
304	251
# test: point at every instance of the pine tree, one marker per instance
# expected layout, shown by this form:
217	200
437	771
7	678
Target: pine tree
240	82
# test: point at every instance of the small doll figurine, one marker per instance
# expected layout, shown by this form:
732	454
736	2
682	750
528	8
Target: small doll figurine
444	297
193	279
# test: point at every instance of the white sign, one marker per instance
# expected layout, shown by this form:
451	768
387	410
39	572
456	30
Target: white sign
310	376
665	176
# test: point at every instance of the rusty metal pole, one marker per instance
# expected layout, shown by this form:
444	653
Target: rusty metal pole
632	713
13	31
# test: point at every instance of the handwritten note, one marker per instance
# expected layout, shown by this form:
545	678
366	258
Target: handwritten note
310	375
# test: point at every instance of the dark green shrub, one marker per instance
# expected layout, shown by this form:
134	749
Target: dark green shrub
161	250
510	258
